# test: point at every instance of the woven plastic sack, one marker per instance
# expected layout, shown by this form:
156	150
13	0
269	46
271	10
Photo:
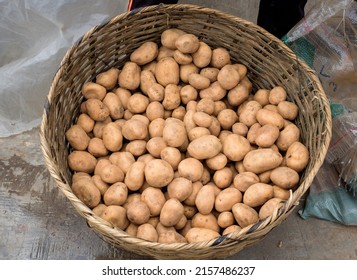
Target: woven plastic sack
327	40
35	35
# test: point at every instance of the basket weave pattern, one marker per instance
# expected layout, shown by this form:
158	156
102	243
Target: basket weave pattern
269	63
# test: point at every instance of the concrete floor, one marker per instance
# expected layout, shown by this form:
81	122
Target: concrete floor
38	222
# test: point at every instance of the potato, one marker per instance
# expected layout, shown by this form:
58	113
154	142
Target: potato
99	210
100	184
223	135
131	198
227	198
135	176
181	223
228	77
146	53
205	221
272	108
214	91
85	122
226	118
96	147
93	91
156	92
285	177
111	174
112	137
297	156
261	160
205	199
138	212
171	212
257	194
122	159
225	219
155	145
97	110
264	177
281	193
154	221
198	81
179	113
231	229
81	161
172	99
189	211
217	162
186	70
123	95
171	237
190	200
244	214
112	101
265	116
223	177
262	97
102	162
235	147
288	136
116	194
197	132
132	229
220	58
205	147
134	130
164	52
167	71
174	132
201	235
206	176
180	188
202	56
191	169
252	133
86	191
77	138
288	110
169	37
172	156
240	129
237	95
154	110
137	103
182	58
108	79
276	95
187	43
158	173
215	127
269	207
244	180
210	72
266	135
248	114
116	215
147	232
154	199
129	77
156	127
188	93
202	119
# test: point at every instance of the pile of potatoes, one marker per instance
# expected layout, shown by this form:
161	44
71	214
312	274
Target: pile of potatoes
175	146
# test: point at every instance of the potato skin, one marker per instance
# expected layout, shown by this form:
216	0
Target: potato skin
261	160
205	221
158	173
135	176
200	235
288	110
87	192
179	188
191	169
227	198
146	53
116	194
235	147
297	156
257	194
169	37
77	138
138	212
187	43
205	147
116	215
147	232
205	199
244	214
202	56
244	180
284	177
82	161
129	77
288	136
265	116
268	207
266	135
171	212
112	137
154	199
167	71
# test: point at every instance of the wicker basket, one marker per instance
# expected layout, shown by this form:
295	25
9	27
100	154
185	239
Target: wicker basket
269	63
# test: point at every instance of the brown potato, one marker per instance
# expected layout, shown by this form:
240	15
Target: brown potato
136	147
231	229
93	91
158	173
187	43
240	129
257	194
97	148
164	52
179	113
147	232
102	162
223	177
154	199
191	169
132	229
112	101
281	193
197	132
172	156
215	127
112	137
297	156
269	207
202	56
123	95
99	210
97	110
220	57
210	72
287	137
100	184
81	161
116	215
169	37
261	160
186	70
111	174
134	130
244	214
182	58
171	212
288	110
188	93
200	235
248	113
122	159
205	199
198	81
277	95
228	77
284	177
205	221
225	219
137	103
266	135
138	212
116	194
129	77
264	177
265	116
217	162
205	147
77	138
272	108
144	54
237	95
174	132
202	119
227	118
190	200
214	91
108	79
86	191
262	96
244	180
227	198
235	147
172	99
180	188
252	132
170	237
181	223
85	122
156	92
135	176
167	71
156	127
155	145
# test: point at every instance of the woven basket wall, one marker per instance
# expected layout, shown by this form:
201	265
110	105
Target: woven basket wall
269	63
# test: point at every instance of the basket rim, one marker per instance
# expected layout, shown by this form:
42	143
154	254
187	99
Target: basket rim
238	236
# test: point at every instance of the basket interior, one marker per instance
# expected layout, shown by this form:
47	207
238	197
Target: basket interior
269	63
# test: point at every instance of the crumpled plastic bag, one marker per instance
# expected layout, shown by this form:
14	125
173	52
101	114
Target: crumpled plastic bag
327	40
34	36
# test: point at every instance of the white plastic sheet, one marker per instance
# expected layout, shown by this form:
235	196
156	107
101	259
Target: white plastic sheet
34	36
